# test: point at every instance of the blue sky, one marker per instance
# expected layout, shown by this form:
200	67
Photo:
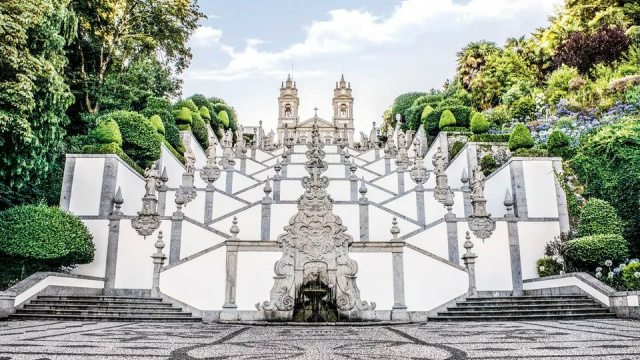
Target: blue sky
245	49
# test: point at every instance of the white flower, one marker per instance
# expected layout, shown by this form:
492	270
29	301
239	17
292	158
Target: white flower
598	269
598	275
555	257
622	266
637	274
559	260
610	274
608	263
562	272
541	268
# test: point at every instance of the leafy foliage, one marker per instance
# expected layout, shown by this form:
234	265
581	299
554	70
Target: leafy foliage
156	121
531	152
598	217
522	108
479	124
404	102
107	132
583	50
490	138
184	116
112	148
630	277
447	119
488	164
456	148
586	253
199	130
520	138
140	140
547	266
223	117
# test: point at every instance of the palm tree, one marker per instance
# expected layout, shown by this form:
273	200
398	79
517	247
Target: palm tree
471	60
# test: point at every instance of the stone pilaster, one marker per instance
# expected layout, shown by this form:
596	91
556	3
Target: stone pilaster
469	259
208	203
514	246
162	193
399	309
67	182
7	304
387	165
243	164
265	228
109	178
229	184
519	190
158	262
420	205
452	228
400	181
230	309
112	245
176	232
466	193
563	212
363	202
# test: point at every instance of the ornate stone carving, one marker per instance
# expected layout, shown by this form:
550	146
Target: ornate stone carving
390	150
315	243
480	222
188	190
227	160
148	219
402	160
418	173
211	172
189	160
442	181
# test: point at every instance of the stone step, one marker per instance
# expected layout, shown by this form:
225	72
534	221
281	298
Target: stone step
121	307
132	318
101	312
525	302
99	297
98	302
523	317
527	297
522	312
508	306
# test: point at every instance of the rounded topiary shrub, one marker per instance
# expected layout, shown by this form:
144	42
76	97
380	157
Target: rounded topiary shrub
587	253
204	113
199	130
189	104
107	132
522	108
547	266
599	217
558	139
223	117
41	238
631	276
184	119
427	110
140	140
446	119
156	121
488	164
479	124
520	138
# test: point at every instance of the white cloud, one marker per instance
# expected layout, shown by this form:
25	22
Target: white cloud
348	30
206	36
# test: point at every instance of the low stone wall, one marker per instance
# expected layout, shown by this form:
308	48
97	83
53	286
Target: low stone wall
7	303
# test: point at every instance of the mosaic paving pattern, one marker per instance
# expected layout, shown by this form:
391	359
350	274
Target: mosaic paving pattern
593	339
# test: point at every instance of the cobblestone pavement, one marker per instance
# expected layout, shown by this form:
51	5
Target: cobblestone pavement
589	339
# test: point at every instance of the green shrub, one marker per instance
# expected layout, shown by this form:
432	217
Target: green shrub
200	132
140	140
456	148
112	148
632	96
630	277
461	113
41	238
520	138
479	124
490	138
189	104
204	113
199	100
547	266
223	117
447	119
156	121
522	108
497	115
599	217
427	110
184	117
107	132
163	108
457	129
586	253
488	164
558	139
533	152
402	103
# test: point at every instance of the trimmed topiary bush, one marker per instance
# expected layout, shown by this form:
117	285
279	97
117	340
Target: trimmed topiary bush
479	124
488	164
204	113
520	138
533	152
522	108
184	119
631	276
41	238
156	122
140	140
455	148
189	104
547	266
427	110
599	217
223	117
163	108
199	130
490	138
558	139
457	129
107	132
586	253
446	119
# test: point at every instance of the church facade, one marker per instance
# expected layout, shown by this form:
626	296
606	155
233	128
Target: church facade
340	127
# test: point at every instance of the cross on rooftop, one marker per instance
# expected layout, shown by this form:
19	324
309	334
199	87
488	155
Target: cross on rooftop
316	110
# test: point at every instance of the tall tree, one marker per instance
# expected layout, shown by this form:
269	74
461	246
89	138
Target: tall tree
113	32
33	94
471	60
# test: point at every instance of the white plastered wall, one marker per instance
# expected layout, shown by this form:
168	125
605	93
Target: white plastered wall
255	278
533	236
375	278
99	229
540	188
87	186
493	265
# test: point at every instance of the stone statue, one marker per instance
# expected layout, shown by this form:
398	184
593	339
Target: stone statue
189	160
477	183
439	163
211	154
153	182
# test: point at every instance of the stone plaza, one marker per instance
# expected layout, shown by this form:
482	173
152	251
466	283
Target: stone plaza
589	339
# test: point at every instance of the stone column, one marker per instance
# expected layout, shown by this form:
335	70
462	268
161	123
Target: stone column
112	244
229	309
387	165
162	192
466	193
363	202
158	262
176	230
108	191
277	179
265	232
347	164
518	189
514	246
399	309
229	185
469	259
208	203
452	228
354	181
420	204
400	181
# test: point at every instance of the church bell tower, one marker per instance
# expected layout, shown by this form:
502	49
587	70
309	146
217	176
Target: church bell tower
343	109
288	103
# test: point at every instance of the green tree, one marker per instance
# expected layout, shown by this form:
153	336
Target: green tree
163	108
33	93
471	60
402	103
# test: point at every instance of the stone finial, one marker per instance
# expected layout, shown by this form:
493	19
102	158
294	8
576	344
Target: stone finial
117	201
395	230
159	243
465	176
363	188
179	200
267	187
277	167
234	229
468	244
508	202
448	202
347	156
158	262
164	177
353	169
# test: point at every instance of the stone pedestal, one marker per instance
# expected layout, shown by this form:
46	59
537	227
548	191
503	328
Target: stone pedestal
399	309
7	303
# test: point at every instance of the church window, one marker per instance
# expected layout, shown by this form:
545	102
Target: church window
343	110
327	141
287	111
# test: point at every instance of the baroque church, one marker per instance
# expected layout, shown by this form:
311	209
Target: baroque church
330	131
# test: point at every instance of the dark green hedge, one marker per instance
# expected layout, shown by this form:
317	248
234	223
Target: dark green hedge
461	114
533	152
522	108
599	217
163	108
41	238
488	164
455	148
140	140
199	130
107	132
587	253
490	138
548	267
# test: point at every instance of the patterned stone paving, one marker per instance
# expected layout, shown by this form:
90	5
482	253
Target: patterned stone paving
588	339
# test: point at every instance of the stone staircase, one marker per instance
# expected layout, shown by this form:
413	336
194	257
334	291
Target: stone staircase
522	308
101	308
